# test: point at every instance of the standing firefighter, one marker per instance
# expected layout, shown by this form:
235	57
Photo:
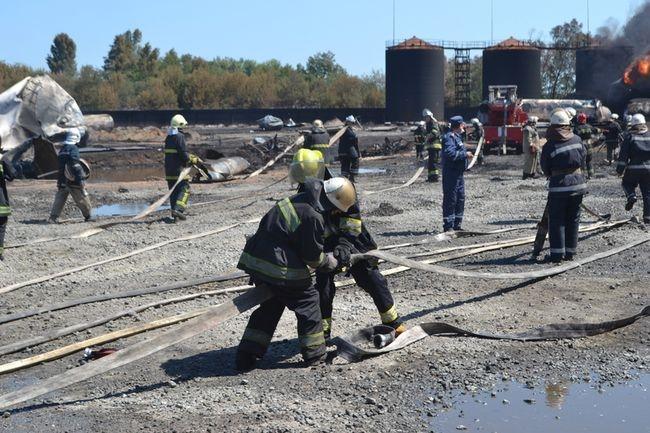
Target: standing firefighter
288	242
454	163
318	139
612	133
586	132
6	174
73	172
563	157
176	159
634	164
349	151
477	134
346	234
432	145
420	135
530	148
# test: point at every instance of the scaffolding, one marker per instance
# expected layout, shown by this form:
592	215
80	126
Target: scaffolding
462	76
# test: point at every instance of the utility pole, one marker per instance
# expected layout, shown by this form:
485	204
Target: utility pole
588	29
393	22
491	22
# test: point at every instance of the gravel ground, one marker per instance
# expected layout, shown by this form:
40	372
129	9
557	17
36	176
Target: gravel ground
192	387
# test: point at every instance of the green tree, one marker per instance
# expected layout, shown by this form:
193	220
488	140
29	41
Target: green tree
63	54
123	54
558	66
323	66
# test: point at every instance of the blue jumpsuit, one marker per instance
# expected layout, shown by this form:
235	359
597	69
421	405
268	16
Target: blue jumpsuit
454	162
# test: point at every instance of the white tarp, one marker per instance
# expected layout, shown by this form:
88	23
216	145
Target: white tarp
36	106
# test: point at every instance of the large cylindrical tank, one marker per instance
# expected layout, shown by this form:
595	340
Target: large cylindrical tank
415	80
513	62
598	67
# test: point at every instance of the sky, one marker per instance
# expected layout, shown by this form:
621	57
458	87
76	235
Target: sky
356	31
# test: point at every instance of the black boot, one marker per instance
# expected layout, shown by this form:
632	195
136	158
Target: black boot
245	361
630	202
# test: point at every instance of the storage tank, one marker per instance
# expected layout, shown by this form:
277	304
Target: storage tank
598	67
415	80
513	62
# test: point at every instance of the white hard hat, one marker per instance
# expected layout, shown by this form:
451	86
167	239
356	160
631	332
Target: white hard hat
572	112
533	119
340	191
422	123
178	121
475	121
560	116
72	136
318	123
427	113
350	119
637	119
614	116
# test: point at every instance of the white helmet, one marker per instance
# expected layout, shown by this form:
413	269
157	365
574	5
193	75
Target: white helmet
318	123
614	116
422	123
340	191
178	121
350	119
72	136
427	113
475	121
560	116
637	119
571	111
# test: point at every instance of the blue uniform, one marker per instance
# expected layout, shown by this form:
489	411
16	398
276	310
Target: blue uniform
634	165
454	162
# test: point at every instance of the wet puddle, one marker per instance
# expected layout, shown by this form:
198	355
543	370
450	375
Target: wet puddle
555	407
131	209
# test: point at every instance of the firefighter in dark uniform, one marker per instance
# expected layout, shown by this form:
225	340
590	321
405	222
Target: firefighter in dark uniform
345	234
319	139
288	242
455	159
477	134
6	174
612	136
176	159
586	132
432	145
420	135
349	151
634	164
562	159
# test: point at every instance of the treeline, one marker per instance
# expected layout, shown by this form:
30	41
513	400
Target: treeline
136	76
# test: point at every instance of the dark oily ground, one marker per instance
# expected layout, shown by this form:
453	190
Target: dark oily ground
192	387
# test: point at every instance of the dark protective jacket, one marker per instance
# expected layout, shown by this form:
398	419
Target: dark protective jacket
613	131
562	160
432	140
69	156
317	139
176	155
289	238
454	153
420	134
349	144
477	133
5	174
634	156
585	131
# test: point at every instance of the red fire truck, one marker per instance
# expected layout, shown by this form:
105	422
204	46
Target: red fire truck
502	117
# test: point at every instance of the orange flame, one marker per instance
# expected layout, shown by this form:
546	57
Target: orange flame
638	69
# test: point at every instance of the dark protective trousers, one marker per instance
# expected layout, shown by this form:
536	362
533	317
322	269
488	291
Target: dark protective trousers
369	279
262	323
589	160
433	162
180	196
3	229
641	179
563	221
419	150
349	167
611	146
453	199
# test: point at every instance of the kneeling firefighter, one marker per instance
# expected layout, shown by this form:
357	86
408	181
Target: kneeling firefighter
288	243
345	234
176	159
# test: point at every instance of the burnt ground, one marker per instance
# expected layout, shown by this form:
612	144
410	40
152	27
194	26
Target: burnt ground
192	387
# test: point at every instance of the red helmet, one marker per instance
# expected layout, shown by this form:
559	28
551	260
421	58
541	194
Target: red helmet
582	118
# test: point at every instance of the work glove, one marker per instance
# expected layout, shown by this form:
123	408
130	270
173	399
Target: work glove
342	254
329	264
194	160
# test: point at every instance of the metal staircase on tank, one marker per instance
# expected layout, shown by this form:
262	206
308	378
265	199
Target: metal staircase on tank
462	76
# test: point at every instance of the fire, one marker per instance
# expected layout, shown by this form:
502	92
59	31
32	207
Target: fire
639	69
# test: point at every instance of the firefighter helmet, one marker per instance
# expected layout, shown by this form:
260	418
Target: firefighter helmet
582	118
560	116
427	113
85	170
571	111
318	123
306	164
614	116
351	119
340	192
637	119
178	121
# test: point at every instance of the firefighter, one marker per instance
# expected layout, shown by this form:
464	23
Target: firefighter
455	159
586	132
319	139
530	148
432	145
71	178
176	159
634	164
419	136
477	134
572	116
349	151
6	174
612	132
288	242
346	235
563	157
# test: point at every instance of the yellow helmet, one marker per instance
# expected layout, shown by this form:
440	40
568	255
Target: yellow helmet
306	164
178	121
340	191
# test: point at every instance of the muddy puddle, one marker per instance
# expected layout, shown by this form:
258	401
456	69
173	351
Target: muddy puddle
130	209
559	407
128	174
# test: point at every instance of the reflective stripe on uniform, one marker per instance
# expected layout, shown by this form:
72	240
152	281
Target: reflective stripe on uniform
566	149
350	225
257	336
320	146
170	151
289	214
327	324
568	188
557	250
644	166
311	340
570	250
389	316
182	202
316	263
272	270
5	211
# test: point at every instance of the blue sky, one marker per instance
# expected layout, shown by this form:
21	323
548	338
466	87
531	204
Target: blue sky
290	31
